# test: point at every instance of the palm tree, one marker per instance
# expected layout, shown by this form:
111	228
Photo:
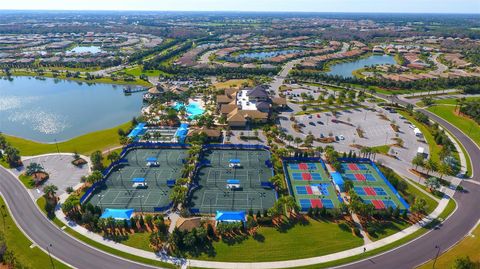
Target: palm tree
444	169
277	181
290	204
418	161
113	156
430	165
50	191
34	168
297	141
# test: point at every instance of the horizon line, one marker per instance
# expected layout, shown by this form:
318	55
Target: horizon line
243	11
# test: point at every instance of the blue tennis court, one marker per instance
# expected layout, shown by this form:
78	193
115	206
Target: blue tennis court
301	189
380	191
316	176
311	166
294	166
362	166
359	190
327	203
389	203
297	176
370	177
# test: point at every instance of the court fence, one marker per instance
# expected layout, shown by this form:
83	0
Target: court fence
125	150
382	176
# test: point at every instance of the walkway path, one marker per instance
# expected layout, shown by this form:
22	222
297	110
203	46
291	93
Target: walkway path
280	264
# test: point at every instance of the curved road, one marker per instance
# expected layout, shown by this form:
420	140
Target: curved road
79	255
41	231
451	231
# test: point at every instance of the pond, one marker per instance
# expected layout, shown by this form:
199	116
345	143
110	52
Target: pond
264	54
83	49
47	109
346	69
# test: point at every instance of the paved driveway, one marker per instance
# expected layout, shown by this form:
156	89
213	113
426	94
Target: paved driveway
62	173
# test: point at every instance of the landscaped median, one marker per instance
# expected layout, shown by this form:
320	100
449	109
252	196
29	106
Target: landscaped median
260	248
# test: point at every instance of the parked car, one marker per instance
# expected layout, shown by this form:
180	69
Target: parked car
341	137
302	125
312	123
322	136
336	138
309	116
320	122
318	115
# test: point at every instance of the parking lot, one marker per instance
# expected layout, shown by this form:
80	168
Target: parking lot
374	121
62	173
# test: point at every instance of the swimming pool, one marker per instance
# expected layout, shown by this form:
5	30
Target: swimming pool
193	109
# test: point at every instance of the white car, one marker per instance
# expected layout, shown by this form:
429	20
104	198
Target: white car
341	137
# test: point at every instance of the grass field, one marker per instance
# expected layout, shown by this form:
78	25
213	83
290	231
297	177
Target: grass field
233	83
27	181
137	71
20	245
469	246
384	149
138	240
85	144
301	241
467	125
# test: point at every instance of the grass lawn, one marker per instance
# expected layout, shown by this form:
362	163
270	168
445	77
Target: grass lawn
301	241
388	228
20	244
467	125
469	246
85	144
4	163
137	71
382	149
232	83
138	240
431	203
27	181
453	101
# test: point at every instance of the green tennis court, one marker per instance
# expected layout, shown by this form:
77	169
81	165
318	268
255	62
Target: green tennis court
119	190
217	174
371	185
310	185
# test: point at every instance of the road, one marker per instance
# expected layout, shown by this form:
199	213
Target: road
43	232
451	231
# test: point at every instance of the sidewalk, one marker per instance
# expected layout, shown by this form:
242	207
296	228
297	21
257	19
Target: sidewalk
258	265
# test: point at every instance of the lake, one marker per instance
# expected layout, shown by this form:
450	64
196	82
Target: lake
83	49
265	54
346	69
47	109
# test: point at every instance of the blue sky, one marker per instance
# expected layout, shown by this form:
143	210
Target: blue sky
411	6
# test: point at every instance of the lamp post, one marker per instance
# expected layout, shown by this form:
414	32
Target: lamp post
56	145
436	256
50	256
